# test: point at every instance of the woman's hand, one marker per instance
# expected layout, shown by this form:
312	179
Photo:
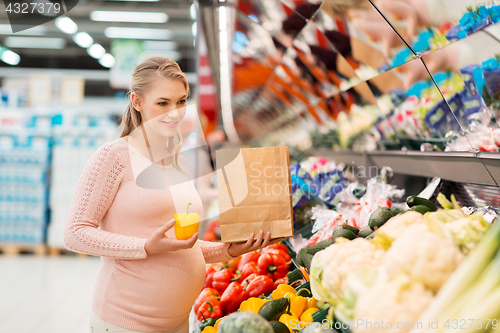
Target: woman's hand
237	249
158	242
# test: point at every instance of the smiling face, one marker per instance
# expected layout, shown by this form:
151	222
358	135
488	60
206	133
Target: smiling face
163	106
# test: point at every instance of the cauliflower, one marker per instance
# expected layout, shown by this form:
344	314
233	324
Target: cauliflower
423	255
330	267
468	231
389	306
396	225
357	283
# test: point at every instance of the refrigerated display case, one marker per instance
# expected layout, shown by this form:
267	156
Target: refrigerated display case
362	81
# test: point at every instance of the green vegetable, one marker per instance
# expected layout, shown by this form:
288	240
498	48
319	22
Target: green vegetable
304	292
272	310
365	232
305	254
207	322
312	249
350	228
380	216
294	276
279	327
474	288
244	322
412	201
319	315
306	261
446	204
301	255
420	208
339	231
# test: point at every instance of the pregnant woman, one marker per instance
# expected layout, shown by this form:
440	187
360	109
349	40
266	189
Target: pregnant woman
123	207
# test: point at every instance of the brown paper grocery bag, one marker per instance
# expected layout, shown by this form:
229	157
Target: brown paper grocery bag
254	192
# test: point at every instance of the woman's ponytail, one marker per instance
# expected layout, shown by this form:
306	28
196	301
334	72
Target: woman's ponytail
130	121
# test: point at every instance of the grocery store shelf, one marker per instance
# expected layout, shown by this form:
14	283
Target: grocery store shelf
479	168
348	157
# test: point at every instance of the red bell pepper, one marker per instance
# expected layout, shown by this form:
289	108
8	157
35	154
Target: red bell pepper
232	297
280	281
279	246
232	264
249	268
261	285
217	266
223	278
209	277
272	265
208	310
248	257
282	253
207	295
249	279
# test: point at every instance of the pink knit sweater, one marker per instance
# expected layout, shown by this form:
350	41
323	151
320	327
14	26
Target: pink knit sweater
111	216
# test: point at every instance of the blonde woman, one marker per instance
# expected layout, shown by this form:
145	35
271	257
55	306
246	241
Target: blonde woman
123	208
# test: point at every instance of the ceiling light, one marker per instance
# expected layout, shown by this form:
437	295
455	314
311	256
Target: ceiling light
156	45
83	39
124	16
6	29
107	60
192	11
10	57
35	42
66	25
193	29
137	33
96	51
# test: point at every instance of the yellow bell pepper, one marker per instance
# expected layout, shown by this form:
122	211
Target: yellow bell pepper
297	304
186	225
216	326
282	290
253	304
209	329
290	321
306	316
311	303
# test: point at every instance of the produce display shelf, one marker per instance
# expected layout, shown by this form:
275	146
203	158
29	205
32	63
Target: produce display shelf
464	167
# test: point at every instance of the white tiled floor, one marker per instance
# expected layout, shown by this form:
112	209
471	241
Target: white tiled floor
46	294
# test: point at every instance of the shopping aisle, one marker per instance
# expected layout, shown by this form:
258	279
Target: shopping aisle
46	294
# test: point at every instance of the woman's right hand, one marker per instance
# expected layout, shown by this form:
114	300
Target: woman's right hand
158	242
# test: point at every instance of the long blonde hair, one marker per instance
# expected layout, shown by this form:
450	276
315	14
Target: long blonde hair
143	78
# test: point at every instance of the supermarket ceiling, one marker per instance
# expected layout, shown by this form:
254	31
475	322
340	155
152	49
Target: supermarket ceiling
47	46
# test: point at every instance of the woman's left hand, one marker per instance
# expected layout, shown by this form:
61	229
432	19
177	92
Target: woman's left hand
237	249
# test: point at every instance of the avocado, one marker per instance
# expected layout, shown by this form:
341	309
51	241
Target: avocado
339	231
380	216
273	310
413	201
306	261
351	228
366	231
420	208
279	327
300	255
312	249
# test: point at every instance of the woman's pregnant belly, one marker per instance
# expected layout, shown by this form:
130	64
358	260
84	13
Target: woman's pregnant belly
159	287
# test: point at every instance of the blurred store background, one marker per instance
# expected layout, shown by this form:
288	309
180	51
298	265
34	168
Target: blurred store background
406	84
63	91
